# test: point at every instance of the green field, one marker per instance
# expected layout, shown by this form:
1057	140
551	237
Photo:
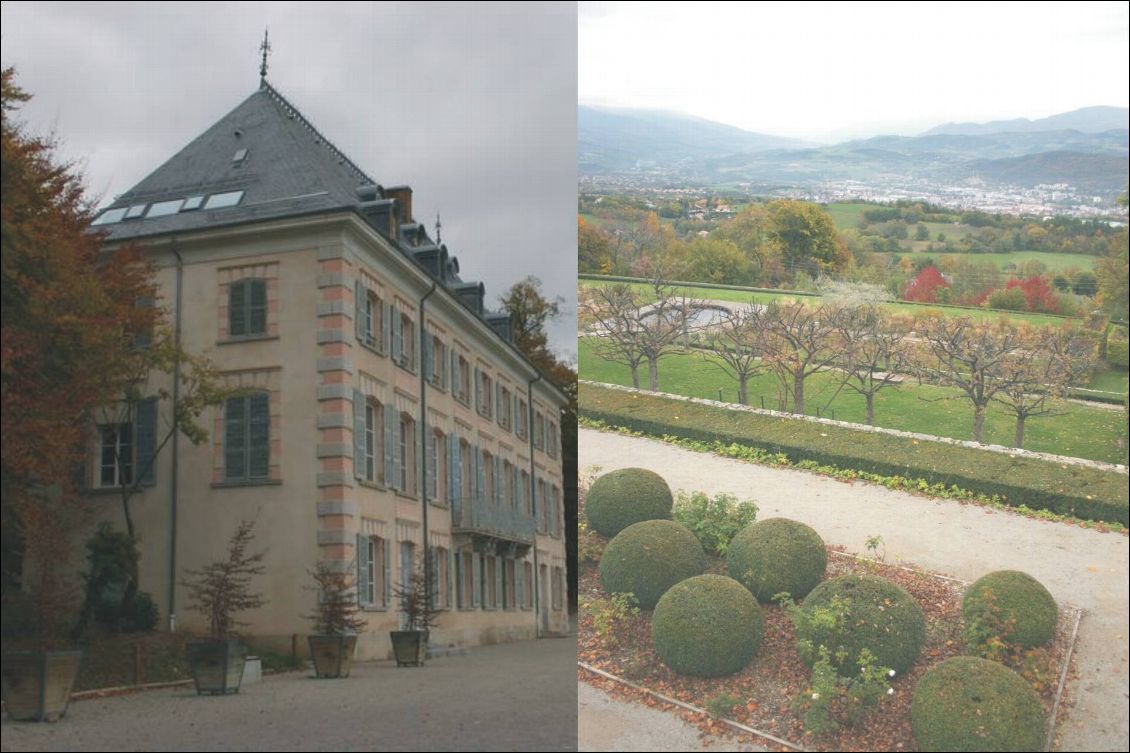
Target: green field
744	296
1109	380
1081	431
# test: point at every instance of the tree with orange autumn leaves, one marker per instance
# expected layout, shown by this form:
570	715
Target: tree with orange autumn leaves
70	321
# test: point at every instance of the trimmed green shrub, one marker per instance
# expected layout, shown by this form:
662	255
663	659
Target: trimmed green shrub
1012	606
776	556
647	558
1065	489
850	613
970	704
630	495
706	626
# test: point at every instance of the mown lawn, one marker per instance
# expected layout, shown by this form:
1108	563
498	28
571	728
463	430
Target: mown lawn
1080	431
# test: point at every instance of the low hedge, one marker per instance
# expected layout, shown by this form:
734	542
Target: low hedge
970	704
1066	489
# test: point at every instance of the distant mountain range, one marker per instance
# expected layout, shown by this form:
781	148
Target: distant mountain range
1086	119
1077	148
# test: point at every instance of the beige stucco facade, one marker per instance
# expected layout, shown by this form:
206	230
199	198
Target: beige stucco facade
349	460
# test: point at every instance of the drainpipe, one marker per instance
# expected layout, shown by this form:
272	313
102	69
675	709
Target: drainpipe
176	446
533	496
424	443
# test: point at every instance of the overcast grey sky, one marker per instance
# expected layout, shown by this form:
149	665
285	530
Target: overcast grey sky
472	105
829	71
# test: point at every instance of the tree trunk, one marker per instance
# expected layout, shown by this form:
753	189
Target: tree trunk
743	390
1018	440
653	374
978	423
870	408
636	376
798	394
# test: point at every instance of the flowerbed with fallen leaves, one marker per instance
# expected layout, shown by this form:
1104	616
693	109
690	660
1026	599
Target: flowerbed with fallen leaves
764	694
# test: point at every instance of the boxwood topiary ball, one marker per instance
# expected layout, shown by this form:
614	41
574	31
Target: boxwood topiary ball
618	499
777	555
1008	595
966	703
647	558
706	626
874	614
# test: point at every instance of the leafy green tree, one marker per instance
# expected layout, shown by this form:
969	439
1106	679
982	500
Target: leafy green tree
807	238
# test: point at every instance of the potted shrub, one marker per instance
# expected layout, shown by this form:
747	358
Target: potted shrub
335	620
417	605
38	677
219	591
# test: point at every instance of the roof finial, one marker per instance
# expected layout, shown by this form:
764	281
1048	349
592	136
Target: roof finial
265	47
439	227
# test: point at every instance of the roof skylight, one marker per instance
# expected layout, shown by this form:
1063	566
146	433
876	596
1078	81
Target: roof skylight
163	208
221	200
110	216
135	211
192	202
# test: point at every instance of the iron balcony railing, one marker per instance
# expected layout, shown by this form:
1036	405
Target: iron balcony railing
482	515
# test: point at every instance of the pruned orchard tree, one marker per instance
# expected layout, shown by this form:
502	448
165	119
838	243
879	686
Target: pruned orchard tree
1034	376
872	353
971	356
665	326
735	346
797	341
611	314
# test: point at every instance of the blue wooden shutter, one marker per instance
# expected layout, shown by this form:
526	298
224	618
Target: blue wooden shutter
519	583
359	320
256	307
498	485
476	580
358	434
387	550
431	469
397	334
386	326
147	440
441	364
429	355
259	435
499	564
433	581
237	308
363	585
235	438
392	445
453	471
450	573
480	475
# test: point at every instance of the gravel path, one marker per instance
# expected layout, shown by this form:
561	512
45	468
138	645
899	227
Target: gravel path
515	696
607	723
1083	567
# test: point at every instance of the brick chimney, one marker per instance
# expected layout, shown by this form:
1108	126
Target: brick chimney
403	196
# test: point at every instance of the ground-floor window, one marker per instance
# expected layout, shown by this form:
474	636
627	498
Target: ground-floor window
528	600
491	577
556	586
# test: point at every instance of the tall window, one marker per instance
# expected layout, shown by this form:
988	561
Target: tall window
438	365
406	454
373	468
539	431
529	508
462	384
371	320
404	341
490	582
504	407
528	569
488	476
437	467
247	308
507	482
484	393
371	558
466	471
523	419
551	438
247	437
465	563
115	454
508	587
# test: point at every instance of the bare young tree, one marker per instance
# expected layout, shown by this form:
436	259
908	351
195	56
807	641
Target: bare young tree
611	314
797	341
665	326
871	351
735	346
971	356
1050	361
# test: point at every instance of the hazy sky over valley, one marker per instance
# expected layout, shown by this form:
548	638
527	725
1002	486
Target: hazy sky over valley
473	105
829	71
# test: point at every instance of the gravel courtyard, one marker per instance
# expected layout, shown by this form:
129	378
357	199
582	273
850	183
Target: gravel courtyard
516	696
1086	568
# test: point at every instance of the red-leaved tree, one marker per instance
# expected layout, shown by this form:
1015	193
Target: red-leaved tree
924	287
